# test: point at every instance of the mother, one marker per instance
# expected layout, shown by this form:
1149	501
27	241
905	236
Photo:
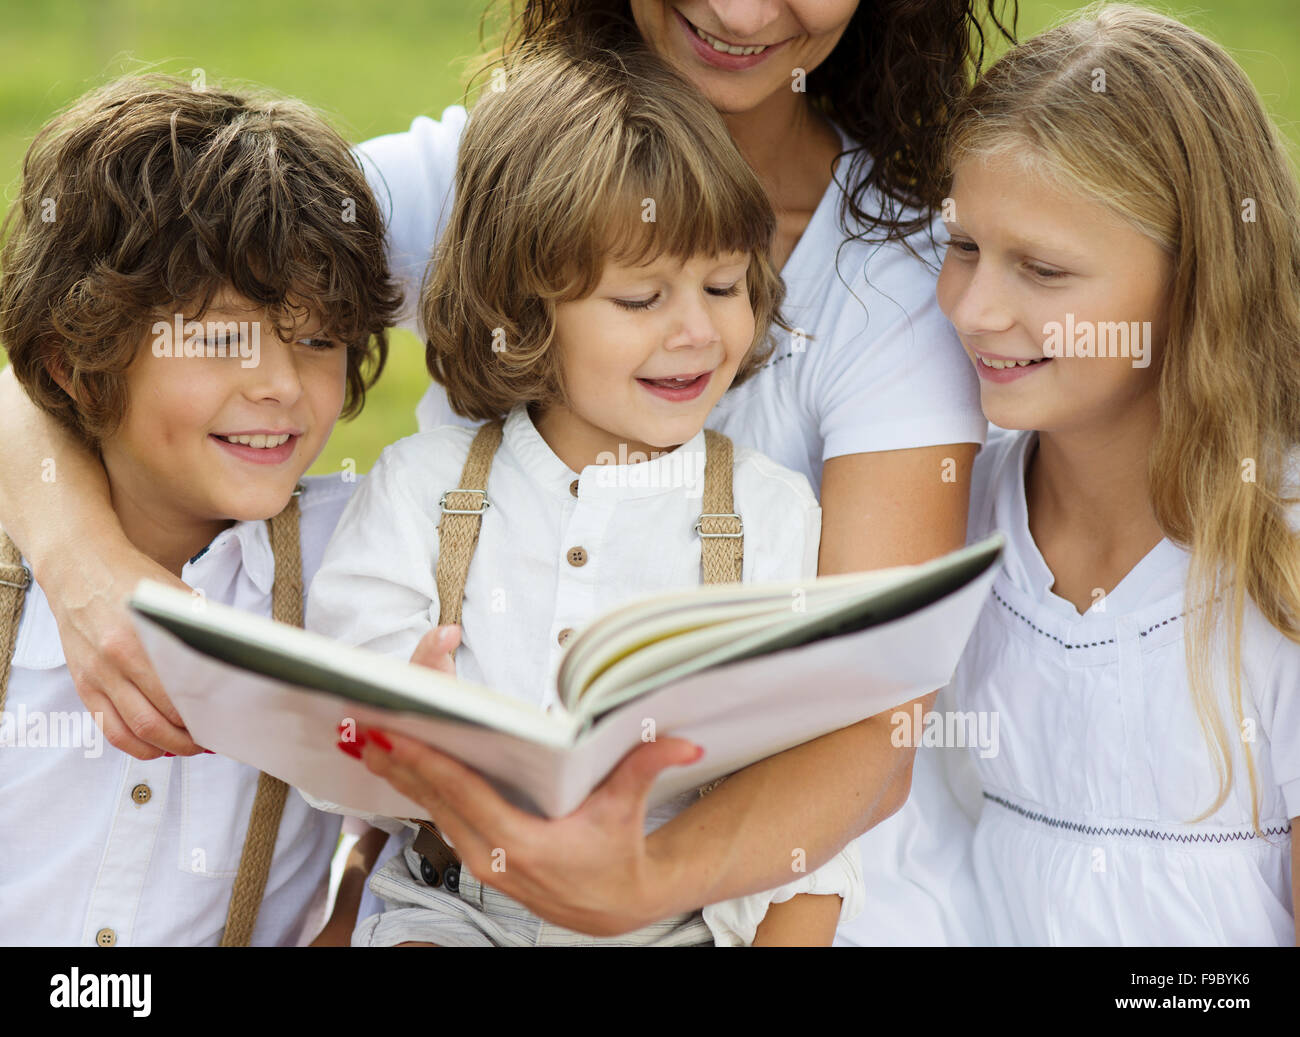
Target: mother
872	399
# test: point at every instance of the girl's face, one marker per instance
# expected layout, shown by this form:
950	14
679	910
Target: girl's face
789	36
645	357
1058	286
176	451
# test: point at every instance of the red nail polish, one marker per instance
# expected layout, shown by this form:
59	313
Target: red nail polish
380	740
209	752
352	749
169	754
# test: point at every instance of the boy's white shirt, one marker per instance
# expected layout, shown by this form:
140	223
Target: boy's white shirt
99	845
635	523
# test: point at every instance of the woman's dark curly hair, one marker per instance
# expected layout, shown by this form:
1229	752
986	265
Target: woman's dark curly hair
891	83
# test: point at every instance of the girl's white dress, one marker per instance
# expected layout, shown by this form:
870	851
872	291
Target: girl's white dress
1085	833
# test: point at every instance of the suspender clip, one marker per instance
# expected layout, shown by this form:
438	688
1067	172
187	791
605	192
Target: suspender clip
442	503
728	536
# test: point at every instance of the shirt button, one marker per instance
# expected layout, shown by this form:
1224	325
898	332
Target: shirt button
564	635
577	557
105	938
573	487
142	794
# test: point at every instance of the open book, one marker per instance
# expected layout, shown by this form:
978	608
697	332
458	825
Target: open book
744	670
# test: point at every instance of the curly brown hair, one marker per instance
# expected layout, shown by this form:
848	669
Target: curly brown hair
552	179
891	83
146	194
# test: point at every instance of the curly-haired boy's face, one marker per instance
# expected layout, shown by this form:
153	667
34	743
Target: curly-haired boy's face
211	438
645	357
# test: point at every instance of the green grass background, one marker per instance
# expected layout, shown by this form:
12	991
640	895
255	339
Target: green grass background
374	67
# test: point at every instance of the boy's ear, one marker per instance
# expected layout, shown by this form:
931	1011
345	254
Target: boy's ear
55	369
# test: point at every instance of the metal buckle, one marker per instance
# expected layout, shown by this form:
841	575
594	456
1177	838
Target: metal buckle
27	580
442	503
725	536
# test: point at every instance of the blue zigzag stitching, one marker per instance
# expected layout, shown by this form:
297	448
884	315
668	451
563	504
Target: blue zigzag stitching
1093	644
1137	833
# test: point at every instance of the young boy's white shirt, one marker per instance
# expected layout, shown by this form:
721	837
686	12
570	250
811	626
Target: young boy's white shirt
103	849
634	524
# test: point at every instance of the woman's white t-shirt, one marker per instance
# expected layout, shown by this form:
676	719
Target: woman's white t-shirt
874	366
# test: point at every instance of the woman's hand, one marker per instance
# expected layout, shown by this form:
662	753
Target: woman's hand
107	663
590	871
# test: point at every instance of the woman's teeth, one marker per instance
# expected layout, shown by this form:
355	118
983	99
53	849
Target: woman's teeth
260	442
998	365
726	48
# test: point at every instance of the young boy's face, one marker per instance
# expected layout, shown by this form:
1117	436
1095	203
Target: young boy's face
178	452
647	355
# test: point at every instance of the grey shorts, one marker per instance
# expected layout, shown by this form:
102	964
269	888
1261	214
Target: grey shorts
479	916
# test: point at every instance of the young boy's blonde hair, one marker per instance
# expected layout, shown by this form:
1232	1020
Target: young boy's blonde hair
574	156
1148	117
146	195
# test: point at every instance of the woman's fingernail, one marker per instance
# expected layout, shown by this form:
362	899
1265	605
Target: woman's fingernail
169	754
209	752
380	740
352	749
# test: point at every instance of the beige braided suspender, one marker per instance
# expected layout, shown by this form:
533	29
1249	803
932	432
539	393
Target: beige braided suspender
14	580
722	550
462	514
268	804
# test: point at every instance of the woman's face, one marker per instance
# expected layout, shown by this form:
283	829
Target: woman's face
741	52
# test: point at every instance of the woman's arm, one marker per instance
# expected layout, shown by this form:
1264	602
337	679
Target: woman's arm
594	871
55	505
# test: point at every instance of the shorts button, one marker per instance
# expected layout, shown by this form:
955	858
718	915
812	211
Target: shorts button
428	872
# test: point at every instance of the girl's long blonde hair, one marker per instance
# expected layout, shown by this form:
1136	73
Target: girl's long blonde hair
1147	116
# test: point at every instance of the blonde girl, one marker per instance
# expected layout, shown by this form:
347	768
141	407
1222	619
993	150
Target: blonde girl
1124	273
